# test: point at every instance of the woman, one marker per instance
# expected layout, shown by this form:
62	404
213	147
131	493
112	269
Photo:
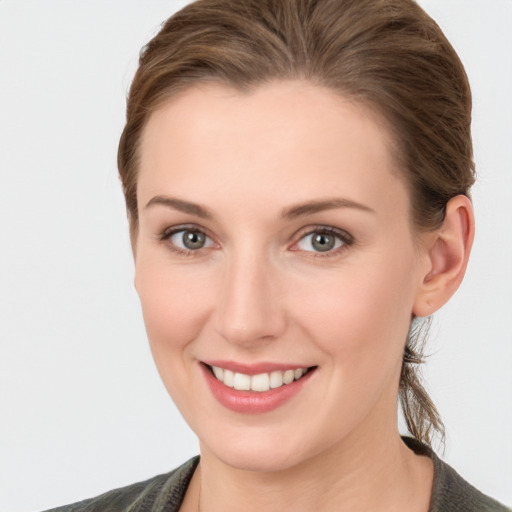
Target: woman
297	180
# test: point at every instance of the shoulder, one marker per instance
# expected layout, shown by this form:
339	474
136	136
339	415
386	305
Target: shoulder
450	492
158	494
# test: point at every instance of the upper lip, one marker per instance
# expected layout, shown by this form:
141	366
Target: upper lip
254	368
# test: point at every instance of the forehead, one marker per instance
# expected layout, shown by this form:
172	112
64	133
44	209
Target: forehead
283	141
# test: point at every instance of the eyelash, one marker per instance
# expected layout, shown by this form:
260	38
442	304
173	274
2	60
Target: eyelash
168	233
346	239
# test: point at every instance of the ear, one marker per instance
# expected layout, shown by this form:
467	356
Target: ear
447	252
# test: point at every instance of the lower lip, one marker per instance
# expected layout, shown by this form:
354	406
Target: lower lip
253	402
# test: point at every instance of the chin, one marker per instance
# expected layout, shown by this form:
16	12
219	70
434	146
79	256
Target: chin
258	460
264	452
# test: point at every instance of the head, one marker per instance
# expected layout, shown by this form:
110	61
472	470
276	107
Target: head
387	59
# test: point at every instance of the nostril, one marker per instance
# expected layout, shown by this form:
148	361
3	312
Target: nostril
257	333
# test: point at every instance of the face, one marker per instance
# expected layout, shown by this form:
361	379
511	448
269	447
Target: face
275	250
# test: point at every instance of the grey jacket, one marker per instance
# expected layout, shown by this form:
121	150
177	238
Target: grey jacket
164	493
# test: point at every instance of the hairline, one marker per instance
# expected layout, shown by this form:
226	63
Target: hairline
367	106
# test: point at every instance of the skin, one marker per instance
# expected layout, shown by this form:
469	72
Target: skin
259	291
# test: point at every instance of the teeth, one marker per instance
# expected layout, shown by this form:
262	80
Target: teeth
218	372
242	382
261	382
228	378
288	376
276	379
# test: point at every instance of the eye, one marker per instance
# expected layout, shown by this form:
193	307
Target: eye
324	240
187	240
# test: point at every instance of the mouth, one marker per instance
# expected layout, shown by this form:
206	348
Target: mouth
260	382
255	389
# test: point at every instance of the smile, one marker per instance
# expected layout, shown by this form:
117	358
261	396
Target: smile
261	382
255	389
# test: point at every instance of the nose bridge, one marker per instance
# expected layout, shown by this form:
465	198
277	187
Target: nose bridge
249	308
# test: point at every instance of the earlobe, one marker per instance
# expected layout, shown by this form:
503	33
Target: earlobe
447	254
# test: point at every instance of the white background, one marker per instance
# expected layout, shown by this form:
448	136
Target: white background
82	407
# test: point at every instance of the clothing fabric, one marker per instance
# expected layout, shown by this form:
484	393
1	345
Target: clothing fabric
450	492
165	493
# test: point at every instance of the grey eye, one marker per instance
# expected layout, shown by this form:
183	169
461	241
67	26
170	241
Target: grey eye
190	240
320	242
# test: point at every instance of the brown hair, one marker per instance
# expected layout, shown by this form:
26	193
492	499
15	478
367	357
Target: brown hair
388	54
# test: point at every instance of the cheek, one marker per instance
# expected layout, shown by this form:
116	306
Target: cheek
174	304
361	317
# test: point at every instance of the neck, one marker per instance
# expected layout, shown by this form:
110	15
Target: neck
382	475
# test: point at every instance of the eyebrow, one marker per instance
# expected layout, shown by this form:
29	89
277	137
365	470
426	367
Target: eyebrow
293	212
181	205
319	206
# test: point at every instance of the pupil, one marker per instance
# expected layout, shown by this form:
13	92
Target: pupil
193	239
323	242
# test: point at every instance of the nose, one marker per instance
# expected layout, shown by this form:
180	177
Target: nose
250	309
